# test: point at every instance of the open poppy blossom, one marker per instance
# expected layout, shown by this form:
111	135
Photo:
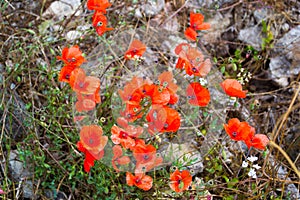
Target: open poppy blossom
239	130
98	5
85	105
192	60
197	22
258	141
191	34
83	84
233	88
89	157
92	139
126	135
118	159
180	181
165	81
162	119
146	157
65	73
141	181
136	49
72	56
100	23
197	94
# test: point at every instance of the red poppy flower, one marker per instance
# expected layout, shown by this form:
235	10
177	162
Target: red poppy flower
146	157
98	5
191	34
125	137
118	159
197	22
136	49
100	23
141	181
162	119
197	94
180	181
92	139
89	157
233	88
83	84
192	60
85	105
72	56
132	112
239	130
65	73
258	141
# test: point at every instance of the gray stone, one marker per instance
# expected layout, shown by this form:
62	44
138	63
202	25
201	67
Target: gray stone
286	60
261	14
21	174
251	36
150	8
63	8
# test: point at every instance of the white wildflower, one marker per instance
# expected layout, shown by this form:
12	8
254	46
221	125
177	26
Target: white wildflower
252	173
244	164
256	166
252	158
203	81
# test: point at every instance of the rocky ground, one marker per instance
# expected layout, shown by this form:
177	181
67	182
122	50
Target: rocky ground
261	38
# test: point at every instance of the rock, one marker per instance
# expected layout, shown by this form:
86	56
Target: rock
150	8
63	8
21	174
261	14
251	36
73	35
286	60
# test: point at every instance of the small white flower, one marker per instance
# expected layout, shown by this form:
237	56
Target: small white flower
203	81
244	164
252	158
242	69
252	173
256	166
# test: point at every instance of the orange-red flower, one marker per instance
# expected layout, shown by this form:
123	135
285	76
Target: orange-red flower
98	5
239	130
72	56
197	94
233	88
83	84
243	131
192	60
118	159
100	23
91	138
136	49
162	119
146	157
166	82
180	181
85	105
258	141
191	34
65	73
197	22
89	157
141	181
126	135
